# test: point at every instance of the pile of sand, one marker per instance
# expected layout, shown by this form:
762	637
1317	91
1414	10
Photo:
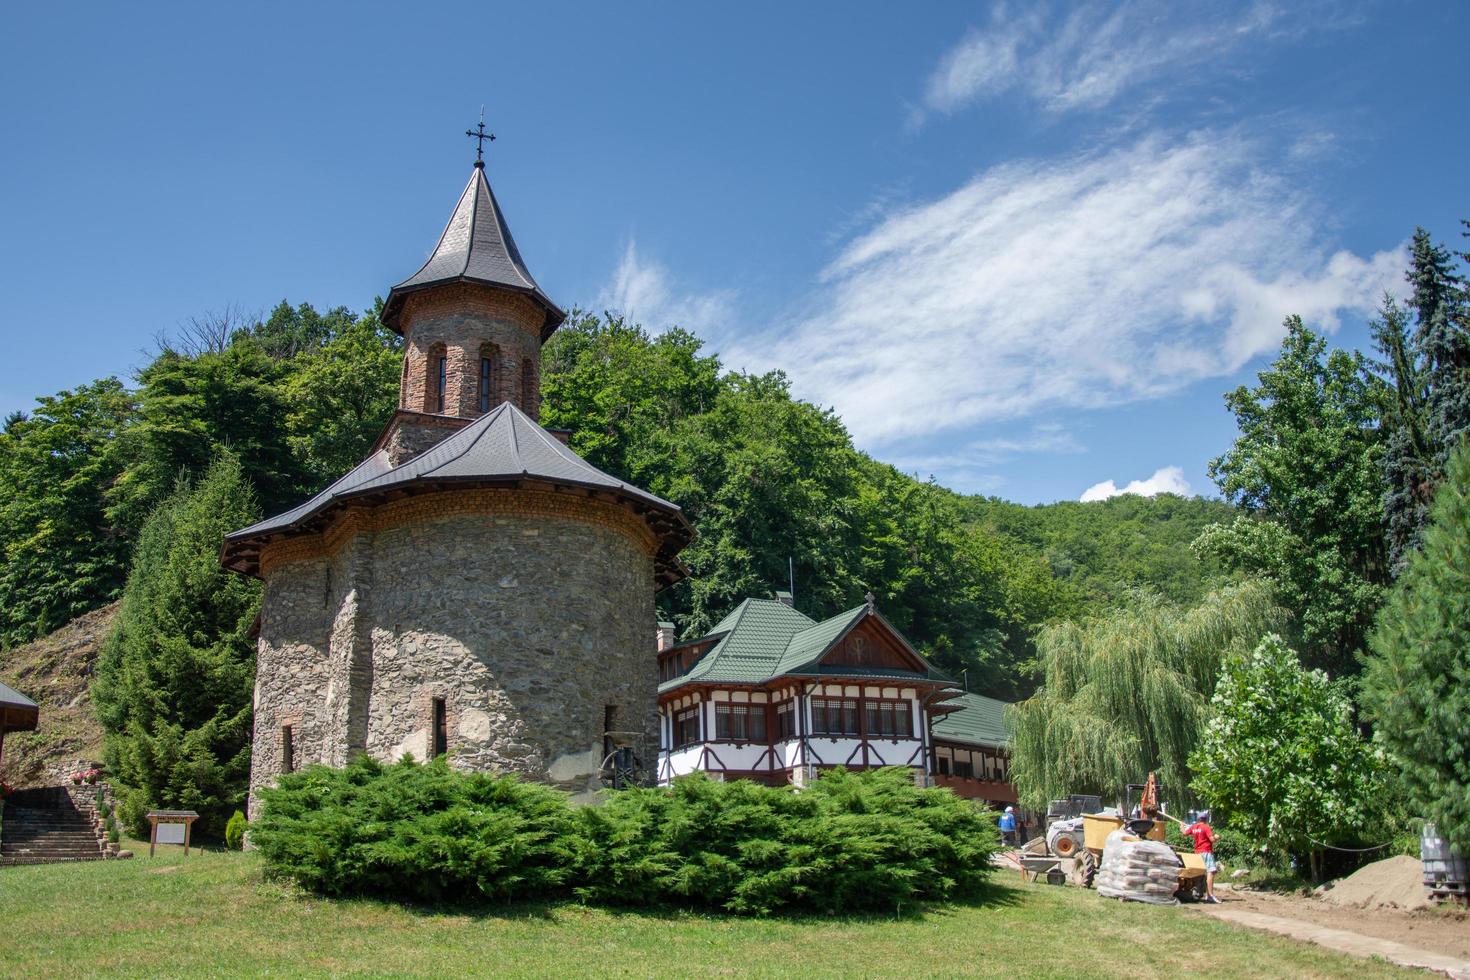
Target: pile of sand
1396	882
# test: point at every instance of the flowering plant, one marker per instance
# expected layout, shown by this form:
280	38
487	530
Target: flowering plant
76	779
91	775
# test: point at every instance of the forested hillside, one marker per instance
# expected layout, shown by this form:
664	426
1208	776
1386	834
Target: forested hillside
1104	549
299	396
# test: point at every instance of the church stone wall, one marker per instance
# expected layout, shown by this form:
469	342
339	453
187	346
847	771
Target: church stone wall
528	627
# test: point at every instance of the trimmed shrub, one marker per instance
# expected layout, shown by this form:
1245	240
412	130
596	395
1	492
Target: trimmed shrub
853	841
415	831
235	832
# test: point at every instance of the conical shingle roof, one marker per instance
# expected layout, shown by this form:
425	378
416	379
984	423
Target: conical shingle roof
502	448
476	247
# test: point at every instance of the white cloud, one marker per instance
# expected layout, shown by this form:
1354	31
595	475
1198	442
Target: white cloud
1086	282
1088	57
642	290
1167	479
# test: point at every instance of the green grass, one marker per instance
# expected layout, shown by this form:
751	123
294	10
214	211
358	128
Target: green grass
214	914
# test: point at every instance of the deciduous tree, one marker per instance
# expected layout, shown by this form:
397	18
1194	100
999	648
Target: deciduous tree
1281	760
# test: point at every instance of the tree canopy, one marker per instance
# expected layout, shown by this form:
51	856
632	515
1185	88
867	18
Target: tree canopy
1126	693
1306	470
1281	760
1416	686
175	677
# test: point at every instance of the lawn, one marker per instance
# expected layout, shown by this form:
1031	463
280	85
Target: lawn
213	914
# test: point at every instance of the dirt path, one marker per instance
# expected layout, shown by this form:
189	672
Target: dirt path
1434	939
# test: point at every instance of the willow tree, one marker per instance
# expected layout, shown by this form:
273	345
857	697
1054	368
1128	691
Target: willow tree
1128	692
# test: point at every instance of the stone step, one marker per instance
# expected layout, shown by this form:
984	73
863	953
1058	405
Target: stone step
45	828
10	862
38	840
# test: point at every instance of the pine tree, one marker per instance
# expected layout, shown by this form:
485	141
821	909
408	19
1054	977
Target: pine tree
1408	470
1440	302
175	676
1415	683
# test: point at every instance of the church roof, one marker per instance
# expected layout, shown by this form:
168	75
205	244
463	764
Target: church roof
502	448
476	247
762	639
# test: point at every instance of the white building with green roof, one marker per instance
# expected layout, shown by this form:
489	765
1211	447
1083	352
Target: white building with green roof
772	695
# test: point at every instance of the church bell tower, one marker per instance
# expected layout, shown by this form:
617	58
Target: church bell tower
473	321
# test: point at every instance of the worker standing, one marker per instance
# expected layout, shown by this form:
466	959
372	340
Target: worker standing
1204	845
1008	826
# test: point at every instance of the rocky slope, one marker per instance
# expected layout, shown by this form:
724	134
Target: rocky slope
56	672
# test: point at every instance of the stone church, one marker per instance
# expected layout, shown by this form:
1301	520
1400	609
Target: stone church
472	586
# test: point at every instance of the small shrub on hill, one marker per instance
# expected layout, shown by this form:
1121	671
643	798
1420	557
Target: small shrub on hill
853	841
415	831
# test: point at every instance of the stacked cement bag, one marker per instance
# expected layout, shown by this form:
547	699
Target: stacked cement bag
1138	870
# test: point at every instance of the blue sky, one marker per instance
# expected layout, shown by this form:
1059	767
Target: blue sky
1022	248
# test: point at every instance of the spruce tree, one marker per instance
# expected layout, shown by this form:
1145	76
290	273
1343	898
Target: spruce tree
1443	338
175	676
1415	682
1408	468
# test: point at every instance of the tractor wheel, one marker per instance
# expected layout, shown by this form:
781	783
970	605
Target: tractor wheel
1085	868
1066	845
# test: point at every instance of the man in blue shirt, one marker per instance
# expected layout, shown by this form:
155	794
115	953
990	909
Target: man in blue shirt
1008	826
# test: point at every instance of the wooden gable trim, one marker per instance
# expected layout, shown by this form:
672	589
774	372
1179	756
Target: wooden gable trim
874	628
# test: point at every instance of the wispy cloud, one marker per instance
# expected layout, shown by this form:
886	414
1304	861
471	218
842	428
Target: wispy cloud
1084	282
971	468
643	290
1087	57
1167	479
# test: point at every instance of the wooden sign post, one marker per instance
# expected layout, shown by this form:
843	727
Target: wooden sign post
170	827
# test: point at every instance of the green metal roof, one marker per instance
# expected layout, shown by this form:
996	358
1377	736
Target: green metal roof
762	639
805	648
979	721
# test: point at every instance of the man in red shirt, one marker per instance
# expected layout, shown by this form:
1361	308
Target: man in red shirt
1204	845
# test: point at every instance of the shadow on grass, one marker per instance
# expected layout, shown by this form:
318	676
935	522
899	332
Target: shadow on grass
990	895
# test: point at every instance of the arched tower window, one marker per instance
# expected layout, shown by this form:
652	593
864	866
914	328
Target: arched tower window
437	380
487	378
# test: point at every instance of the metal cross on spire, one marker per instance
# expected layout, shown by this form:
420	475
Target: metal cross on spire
481	136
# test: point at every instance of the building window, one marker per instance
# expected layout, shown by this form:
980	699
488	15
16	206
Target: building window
943	766
485	366
439	733
686	727
890	719
288	750
740	722
786	720
834	716
964	768
442	384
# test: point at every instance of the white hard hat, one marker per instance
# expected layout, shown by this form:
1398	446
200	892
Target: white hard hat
1010	809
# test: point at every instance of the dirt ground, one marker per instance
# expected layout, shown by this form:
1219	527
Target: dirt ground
1440	930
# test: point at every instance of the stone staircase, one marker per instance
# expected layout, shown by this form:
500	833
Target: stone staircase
44	825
